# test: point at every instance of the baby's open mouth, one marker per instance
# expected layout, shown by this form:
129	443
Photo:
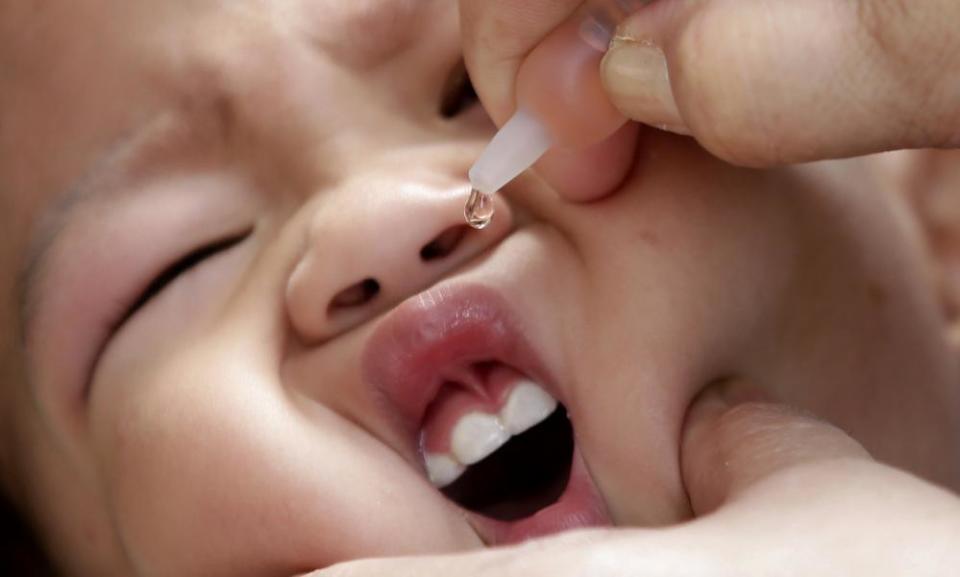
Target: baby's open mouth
454	368
499	444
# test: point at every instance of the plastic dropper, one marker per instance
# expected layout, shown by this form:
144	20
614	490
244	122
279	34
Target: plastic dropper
524	139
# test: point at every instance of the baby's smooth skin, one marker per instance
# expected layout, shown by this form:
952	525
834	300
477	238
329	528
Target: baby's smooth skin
234	421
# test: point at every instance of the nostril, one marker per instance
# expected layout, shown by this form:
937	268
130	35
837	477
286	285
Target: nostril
444	245
356	295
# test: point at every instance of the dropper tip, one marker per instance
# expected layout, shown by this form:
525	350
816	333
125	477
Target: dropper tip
479	209
514	149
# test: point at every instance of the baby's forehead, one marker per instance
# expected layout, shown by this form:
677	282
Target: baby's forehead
358	32
62	65
60	57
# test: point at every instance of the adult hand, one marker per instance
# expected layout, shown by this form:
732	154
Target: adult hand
775	492
756	82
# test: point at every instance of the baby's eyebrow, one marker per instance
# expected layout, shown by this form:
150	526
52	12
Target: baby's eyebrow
127	158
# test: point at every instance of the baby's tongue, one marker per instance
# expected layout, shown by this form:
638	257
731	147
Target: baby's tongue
466	424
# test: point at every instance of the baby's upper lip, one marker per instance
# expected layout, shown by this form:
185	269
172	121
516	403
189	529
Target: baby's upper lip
437	332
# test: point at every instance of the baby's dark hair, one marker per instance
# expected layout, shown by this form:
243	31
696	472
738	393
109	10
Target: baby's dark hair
20	553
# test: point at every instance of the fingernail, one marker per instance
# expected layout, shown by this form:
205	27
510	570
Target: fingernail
727	393
637	80
597	32
600	25
711	401
718	398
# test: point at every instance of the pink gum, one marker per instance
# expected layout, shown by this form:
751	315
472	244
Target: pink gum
457	399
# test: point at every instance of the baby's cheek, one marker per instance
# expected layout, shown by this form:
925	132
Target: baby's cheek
190	479
210	474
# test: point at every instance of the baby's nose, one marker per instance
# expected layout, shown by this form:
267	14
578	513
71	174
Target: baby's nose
369	250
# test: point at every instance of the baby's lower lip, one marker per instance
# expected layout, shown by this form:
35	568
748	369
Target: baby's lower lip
579	506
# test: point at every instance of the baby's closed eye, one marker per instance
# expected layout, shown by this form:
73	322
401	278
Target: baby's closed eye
182	266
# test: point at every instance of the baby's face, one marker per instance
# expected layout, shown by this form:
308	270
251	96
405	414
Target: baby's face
242	308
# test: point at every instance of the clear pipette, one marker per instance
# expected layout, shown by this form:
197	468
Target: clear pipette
524	139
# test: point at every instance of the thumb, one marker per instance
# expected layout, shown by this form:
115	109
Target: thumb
760	83
731	443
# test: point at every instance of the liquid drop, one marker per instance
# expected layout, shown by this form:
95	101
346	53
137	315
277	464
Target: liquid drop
479	209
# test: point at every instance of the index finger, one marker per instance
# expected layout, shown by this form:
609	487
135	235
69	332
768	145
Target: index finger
532	52
730	444
497	37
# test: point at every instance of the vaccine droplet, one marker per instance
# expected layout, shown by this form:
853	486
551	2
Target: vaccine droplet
479	209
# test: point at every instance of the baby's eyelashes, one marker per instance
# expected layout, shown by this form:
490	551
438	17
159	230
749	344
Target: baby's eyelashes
182	266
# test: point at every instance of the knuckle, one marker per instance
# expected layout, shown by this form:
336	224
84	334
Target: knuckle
887	45
878	18
913	47
716	81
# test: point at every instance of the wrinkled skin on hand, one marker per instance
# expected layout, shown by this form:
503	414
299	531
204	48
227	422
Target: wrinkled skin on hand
756	83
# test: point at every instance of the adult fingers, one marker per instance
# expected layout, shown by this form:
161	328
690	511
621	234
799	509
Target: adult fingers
729	446
531	55
497	37
760	82
787	494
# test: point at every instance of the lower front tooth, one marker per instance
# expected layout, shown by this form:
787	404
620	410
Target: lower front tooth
442	469
476	437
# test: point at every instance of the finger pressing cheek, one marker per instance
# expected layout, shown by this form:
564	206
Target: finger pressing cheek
733	440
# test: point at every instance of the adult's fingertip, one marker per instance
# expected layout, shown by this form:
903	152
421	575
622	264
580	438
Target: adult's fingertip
734	437
592	173
560	84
